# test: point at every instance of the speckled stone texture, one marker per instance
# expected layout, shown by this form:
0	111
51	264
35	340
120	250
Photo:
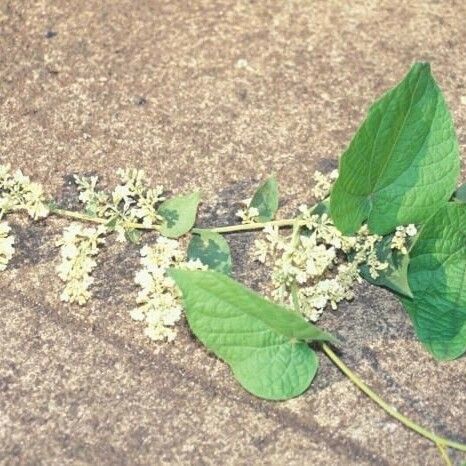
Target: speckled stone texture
212	95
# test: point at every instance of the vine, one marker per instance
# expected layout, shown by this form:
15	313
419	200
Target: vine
390	215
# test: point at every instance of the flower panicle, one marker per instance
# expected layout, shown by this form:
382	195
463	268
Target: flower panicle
132	201
319	260
159	301
18	192
78	247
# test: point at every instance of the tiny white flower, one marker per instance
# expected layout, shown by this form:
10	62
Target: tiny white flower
253	212
411	230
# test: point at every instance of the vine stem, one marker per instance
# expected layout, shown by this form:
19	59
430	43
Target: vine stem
443	453
287	222
441	442
89	218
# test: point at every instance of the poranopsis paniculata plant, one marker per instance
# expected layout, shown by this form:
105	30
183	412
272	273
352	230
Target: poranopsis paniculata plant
401	174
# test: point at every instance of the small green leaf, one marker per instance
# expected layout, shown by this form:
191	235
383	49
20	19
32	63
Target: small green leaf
265	200
460	194
212	250
395	277
402	164
323	207
133	235
91	209
437	278
111	224
264	344
179	214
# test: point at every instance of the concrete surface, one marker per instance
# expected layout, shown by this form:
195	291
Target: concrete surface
215	95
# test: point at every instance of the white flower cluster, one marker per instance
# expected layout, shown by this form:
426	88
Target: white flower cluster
248	214
159	301
315	259
6	245
18	192
132	201
401	238
323	184
79	245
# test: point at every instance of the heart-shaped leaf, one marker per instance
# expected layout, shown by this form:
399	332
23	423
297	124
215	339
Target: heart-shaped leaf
403	162
265	345
179	214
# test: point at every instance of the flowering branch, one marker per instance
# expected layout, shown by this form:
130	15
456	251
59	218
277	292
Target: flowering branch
303	261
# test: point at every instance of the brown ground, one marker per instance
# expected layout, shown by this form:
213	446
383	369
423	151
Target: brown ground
216	95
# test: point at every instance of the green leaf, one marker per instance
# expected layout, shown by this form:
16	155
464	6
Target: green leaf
133	235
460	194
212	250
179	214
437	278
403	162
264	344
323	207
265	200
111	224
395	277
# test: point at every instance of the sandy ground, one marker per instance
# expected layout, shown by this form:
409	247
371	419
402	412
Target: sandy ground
212	95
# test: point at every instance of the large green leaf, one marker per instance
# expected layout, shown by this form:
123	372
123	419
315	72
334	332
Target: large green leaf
265	345
403	162
179	214
437	278
212	250
265	200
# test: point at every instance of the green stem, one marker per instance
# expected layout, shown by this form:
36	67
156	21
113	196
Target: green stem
89	218
443	453
77	215
441	442
287	222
